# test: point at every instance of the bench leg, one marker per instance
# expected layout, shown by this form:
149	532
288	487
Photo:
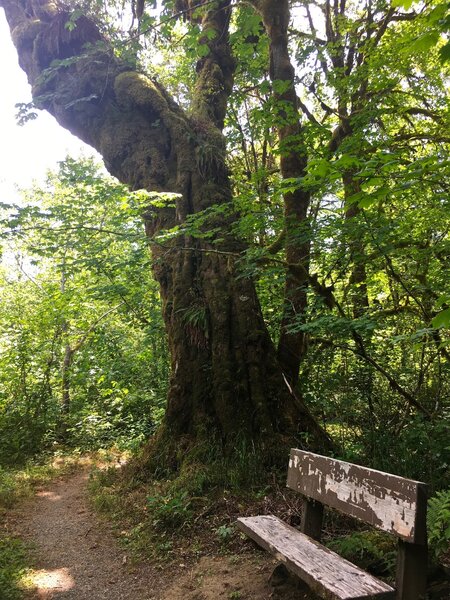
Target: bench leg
312	518
411	571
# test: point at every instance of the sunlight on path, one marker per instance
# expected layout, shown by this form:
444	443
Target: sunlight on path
56	580
75	555
49	495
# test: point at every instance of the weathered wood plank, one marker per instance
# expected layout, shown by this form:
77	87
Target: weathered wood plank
326	573
385	501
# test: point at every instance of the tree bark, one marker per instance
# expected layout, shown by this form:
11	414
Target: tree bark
293	160
226	384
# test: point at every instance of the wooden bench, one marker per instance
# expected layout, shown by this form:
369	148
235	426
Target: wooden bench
387	502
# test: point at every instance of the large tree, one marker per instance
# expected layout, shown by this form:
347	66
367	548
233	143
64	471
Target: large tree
226	382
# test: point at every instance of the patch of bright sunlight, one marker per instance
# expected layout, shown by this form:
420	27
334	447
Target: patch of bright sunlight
57	580
49	496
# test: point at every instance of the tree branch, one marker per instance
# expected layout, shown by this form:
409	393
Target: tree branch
126	116
392	382
87	333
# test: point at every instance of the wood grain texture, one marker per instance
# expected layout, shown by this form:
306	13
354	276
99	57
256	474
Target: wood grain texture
411	581
326	573
385	501
312	519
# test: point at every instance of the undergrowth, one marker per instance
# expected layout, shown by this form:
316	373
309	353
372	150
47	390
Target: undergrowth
372	550
151	520
13	568
439	524
17	484
186	515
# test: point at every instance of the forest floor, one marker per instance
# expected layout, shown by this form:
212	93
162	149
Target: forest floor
75	555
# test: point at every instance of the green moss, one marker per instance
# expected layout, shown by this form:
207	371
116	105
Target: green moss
134	89
273	12
24	34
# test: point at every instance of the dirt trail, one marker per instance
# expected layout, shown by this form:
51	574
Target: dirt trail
78	558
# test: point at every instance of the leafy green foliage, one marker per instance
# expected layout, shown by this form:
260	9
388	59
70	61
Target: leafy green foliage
13	567
170	510
367	548
439	522
225	533
81	289
372	86
442	319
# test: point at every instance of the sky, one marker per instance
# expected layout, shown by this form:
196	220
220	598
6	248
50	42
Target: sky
27	152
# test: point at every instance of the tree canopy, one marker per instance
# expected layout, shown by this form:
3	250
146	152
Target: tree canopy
295	163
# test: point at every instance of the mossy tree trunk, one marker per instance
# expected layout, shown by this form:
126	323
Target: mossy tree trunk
226	382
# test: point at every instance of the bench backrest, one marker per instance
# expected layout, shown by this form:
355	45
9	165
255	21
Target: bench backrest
388	502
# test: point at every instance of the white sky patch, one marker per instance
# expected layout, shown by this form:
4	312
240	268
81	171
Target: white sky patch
28	152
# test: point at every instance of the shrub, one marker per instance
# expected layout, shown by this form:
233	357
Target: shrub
439	523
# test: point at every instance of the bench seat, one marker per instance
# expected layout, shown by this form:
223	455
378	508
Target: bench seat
325	572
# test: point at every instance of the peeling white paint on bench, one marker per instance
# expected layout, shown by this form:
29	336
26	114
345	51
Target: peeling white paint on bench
385	501
328	574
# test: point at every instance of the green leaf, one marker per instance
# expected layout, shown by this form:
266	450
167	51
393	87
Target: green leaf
374	182
425	42
202	50
281	86
444	53
367	201
442	319
355	198
437	13
319	168
210	33
406	4
346	160
443	299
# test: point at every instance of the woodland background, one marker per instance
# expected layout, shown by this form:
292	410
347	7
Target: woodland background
84	360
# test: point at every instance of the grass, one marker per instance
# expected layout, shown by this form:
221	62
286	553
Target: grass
181	518
127	509
13	568
18	484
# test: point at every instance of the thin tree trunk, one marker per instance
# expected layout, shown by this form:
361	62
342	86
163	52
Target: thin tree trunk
65	380
292	345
